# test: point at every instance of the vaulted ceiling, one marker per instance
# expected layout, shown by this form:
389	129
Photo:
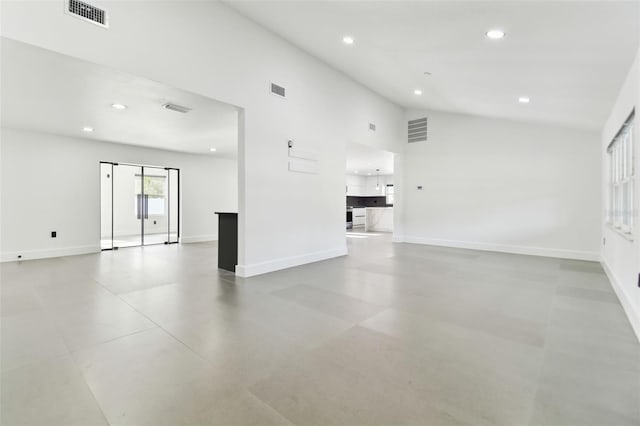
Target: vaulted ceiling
569	57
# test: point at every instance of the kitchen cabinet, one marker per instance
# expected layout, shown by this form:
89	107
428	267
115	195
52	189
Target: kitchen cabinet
365	186
359	216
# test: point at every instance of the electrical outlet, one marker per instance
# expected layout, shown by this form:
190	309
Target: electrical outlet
604	241
54	234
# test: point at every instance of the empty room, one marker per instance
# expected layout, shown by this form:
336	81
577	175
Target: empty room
174	178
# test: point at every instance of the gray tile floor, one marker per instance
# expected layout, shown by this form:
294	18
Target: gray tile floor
394	334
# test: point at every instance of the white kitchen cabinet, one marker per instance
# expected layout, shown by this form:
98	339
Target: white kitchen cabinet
355	190
365	186
356	185
359	216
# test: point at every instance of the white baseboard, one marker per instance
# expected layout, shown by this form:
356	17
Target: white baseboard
625	300
287	262
504	248
46	253
199	238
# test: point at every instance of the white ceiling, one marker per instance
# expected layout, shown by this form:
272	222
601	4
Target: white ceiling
53	93
569	57
363	160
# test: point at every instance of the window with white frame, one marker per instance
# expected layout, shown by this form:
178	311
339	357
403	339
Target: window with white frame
389	195
621	176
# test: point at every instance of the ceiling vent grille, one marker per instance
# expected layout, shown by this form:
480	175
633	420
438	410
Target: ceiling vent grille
87	12
417	130
277	90
175	107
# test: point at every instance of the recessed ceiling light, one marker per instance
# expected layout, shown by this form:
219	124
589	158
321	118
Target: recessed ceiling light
118	106
356	171
212	149
495	34
87	129
348	40
524	100
417	92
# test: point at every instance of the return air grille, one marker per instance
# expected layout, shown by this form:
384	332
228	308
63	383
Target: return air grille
176	107
277	90
87	12
417	130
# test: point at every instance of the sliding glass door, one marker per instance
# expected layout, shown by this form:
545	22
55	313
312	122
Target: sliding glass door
139	205
155	205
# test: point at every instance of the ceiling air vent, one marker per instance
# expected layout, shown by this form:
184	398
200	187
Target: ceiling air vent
372	127
87	12
175	107
277	90
417	130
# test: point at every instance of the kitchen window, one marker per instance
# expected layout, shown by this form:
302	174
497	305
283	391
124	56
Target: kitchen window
621	153
389	195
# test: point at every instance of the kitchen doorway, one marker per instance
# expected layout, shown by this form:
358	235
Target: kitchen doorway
370	194
139	205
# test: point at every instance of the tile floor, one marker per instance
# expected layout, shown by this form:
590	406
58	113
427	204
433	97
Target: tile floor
393	334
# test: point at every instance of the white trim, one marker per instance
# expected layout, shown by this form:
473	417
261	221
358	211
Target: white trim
625	300
46	253
288	262
626	235
505	248
199	238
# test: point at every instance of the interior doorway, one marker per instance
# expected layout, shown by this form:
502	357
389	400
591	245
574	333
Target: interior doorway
140	205
370	194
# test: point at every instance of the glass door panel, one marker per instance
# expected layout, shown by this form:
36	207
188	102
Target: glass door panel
174	202
128	206
155	202
106	206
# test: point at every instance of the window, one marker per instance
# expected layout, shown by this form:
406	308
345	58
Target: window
621	176
389	194
154	191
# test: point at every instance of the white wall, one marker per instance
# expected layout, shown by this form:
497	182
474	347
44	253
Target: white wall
621	256
213	51
52	183
501	185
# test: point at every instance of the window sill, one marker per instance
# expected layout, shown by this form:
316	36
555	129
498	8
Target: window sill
626	235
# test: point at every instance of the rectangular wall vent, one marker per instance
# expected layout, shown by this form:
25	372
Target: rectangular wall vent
175	107
372	127
417	130
87	12
277	90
